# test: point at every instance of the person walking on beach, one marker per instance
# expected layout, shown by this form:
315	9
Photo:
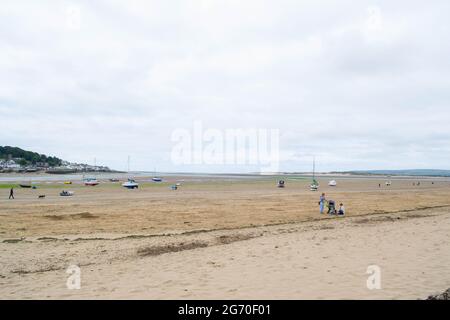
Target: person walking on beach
322	202
11	193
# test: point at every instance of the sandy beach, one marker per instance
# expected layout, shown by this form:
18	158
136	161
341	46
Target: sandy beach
226	239
179	150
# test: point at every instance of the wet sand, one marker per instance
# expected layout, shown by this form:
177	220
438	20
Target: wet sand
226	239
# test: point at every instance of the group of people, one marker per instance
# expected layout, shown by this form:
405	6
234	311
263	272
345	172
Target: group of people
331	206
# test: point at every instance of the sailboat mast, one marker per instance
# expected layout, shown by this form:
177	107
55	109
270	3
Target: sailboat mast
314	168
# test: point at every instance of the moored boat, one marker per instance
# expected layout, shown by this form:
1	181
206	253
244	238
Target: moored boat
130	184
314	185
91	182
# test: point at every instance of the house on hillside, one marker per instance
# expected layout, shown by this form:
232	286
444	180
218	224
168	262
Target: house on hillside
11	164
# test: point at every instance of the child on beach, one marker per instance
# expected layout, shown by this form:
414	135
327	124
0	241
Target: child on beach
341	211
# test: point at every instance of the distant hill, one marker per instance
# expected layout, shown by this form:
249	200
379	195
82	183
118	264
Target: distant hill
412	172
28	157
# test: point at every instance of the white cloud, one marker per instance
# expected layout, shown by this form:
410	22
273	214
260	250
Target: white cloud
359	84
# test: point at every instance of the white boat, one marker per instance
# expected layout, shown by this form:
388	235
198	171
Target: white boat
314	185
155	177
332	183
130	184
91	182
388	183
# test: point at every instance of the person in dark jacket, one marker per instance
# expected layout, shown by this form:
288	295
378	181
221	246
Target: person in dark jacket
11	193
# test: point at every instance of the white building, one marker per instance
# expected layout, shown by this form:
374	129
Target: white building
11	164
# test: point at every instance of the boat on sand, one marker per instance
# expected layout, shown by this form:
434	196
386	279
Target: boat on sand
314	185
130	184
91	182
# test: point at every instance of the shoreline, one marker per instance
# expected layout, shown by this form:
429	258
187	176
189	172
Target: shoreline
43	176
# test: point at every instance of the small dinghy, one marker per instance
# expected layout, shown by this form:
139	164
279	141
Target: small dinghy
91	182
156	179
130	184
65	193
23	185
332	183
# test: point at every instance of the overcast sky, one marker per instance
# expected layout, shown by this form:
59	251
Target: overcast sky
359	84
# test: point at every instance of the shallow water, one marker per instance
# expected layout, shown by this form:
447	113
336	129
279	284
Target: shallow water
43	177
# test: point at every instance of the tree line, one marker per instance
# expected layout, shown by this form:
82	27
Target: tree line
28	157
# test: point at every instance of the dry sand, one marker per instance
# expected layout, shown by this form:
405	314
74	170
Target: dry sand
226	239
